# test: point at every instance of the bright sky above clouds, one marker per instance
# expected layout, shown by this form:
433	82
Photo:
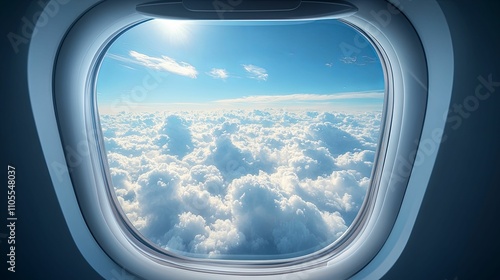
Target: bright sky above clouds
186	62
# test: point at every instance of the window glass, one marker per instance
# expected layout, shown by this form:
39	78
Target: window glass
241	140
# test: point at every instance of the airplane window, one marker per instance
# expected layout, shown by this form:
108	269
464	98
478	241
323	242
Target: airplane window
248	140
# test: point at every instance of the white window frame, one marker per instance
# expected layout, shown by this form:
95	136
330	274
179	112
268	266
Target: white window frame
61	73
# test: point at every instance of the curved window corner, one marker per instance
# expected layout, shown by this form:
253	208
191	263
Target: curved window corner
214	148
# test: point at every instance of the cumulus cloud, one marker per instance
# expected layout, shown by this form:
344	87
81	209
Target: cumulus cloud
175	137
218	73
256	72
165	63
254	183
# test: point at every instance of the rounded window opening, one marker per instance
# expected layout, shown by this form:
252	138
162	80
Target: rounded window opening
235	140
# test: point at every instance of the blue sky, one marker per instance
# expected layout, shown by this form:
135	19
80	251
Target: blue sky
186	62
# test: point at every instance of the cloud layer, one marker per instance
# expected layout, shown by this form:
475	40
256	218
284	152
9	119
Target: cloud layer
258	184
300	97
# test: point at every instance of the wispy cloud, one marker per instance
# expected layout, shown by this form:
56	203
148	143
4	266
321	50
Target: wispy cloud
218	73
303	97
122	59
358	60
165	63
349	59
256	72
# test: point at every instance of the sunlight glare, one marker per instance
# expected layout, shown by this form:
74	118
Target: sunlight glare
176	31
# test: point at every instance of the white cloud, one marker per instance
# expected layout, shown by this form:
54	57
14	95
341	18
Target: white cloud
349	59
165	63
358	61
122	59
256	72
254	182
218	73
303	97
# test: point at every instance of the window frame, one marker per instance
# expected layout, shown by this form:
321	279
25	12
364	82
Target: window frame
79	133
147	245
